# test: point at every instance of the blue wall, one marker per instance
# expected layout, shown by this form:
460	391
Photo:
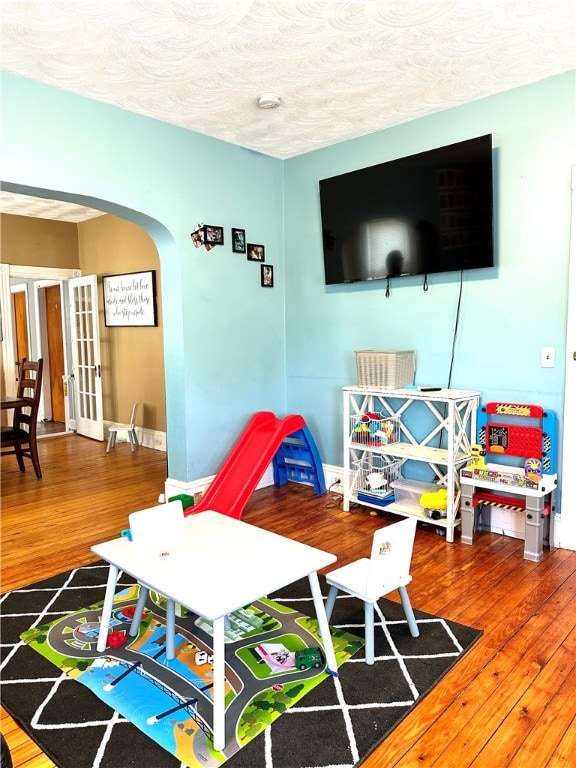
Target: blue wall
233	348
223	333
507	313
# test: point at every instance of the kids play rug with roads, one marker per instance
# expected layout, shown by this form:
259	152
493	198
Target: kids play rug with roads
132	707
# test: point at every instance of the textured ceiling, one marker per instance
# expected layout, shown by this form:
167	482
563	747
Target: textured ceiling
342	68
38	207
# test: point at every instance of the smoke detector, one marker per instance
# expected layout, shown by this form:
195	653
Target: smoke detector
268	101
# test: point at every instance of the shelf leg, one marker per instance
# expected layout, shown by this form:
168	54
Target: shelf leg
467	514
534	532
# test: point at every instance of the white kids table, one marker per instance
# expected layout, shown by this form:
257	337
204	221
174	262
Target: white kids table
219	565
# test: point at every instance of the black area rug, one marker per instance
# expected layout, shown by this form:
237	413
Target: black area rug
337	723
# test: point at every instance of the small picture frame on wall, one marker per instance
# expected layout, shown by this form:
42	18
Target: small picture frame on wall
267	276
198	237
255	252
238	240
213	235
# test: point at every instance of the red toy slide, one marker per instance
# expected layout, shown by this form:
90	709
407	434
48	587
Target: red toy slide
244	466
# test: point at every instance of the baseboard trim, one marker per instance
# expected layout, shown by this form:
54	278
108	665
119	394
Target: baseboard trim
176	487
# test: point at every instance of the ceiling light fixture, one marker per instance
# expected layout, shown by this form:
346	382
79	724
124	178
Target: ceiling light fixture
268	101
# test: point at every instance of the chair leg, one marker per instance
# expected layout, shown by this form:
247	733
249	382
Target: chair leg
111	441
330	600
408	612
133	438
19	458
369	632
35	460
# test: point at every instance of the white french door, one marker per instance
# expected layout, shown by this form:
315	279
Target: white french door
86	356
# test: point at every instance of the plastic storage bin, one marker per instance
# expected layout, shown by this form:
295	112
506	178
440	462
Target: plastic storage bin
408	492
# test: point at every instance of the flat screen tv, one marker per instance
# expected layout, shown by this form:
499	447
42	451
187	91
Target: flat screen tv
418	215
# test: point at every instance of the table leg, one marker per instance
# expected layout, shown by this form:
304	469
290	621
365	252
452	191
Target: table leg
107	608
219	688
170	629
137	618
331	665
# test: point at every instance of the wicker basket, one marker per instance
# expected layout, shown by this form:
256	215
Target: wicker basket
390	370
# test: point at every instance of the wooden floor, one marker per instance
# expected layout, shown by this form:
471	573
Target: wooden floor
509	702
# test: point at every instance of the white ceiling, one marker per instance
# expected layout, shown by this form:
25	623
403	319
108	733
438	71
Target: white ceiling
342	68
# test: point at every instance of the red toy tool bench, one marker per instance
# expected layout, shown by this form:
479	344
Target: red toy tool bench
525	438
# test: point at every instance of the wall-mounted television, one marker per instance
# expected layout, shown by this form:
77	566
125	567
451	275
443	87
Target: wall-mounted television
418	215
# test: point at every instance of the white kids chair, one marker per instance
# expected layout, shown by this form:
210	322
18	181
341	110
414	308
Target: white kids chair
129	429
369	579
157	531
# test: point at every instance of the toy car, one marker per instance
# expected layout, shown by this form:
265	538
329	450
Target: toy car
435	503
308	658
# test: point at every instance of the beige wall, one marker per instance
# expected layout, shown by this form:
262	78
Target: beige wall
38	242
132	358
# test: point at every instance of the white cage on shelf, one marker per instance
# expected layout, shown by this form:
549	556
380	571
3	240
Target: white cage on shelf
373	478
374	429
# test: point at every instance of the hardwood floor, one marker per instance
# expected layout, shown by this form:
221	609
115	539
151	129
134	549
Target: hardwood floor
508	704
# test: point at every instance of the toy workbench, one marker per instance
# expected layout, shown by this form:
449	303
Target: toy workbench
524	438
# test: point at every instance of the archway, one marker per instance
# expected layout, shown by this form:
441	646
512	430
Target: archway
160	239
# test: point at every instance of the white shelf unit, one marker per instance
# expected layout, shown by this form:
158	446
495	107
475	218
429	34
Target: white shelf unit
452	425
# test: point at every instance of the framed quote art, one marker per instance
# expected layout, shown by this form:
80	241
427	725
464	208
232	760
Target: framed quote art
130	299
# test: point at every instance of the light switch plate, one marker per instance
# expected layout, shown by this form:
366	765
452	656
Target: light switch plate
547	357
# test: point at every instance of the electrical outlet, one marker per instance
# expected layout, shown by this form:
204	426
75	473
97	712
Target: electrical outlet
333	480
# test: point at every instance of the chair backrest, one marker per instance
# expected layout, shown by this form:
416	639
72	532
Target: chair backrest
158	527
29	388
133	416
391	556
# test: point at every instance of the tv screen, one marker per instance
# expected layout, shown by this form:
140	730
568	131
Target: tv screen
426	213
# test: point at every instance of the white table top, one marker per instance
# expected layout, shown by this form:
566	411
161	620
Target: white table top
221	564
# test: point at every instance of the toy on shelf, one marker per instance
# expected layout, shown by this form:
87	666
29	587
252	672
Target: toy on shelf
524	480
478	454
374	429
373	477
435	503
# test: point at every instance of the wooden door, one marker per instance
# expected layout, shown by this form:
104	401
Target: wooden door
55	351
20	324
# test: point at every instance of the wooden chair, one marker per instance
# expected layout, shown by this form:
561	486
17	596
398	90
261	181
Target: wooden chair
129	429
369	579
20	439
